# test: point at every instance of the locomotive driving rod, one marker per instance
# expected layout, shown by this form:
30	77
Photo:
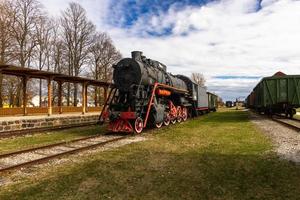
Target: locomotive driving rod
159	85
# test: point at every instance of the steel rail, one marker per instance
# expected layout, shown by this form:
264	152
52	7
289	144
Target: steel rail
47	146
286	124
58	155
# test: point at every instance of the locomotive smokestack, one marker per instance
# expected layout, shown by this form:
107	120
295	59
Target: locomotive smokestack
136	55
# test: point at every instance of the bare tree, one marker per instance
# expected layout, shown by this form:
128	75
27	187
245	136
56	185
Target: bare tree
5	36
57	49
198	78
103	55
5	40
67	45
25	14
43	47
57	54
77	37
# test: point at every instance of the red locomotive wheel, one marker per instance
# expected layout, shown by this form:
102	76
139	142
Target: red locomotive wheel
179	119
158	125
184	114
173	121
138	125
179	114
167	120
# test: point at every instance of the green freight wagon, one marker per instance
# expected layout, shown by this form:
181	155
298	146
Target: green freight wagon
212	102
279	93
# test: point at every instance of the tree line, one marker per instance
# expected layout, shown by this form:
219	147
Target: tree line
69	44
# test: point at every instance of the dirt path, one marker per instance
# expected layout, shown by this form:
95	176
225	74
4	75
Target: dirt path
287	141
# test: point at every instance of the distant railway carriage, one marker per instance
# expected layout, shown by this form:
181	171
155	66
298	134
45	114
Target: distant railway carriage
279	93
212	101
199	96
145	94
229	104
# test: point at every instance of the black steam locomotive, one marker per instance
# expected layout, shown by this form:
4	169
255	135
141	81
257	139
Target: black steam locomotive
144	94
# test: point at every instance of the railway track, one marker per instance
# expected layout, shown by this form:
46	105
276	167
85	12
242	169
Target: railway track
33	156
289	123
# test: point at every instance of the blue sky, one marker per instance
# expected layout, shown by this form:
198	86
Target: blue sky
134	10
232	42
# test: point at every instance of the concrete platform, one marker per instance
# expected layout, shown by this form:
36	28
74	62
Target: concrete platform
15	125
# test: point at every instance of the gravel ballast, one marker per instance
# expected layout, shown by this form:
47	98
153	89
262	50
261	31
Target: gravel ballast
17	175
287	141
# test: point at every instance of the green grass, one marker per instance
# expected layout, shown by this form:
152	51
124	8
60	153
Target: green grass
9	144
218	156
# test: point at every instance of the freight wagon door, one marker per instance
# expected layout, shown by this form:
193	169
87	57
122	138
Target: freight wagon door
282	91
270	92
294	90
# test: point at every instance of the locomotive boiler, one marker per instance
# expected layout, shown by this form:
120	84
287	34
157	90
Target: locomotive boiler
145	94
139	70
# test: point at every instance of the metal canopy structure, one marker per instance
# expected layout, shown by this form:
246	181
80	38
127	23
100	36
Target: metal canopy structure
27	73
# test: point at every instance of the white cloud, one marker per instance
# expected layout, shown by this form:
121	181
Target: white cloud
232	88
97	10
224	38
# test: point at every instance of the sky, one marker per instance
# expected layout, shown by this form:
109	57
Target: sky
234	43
